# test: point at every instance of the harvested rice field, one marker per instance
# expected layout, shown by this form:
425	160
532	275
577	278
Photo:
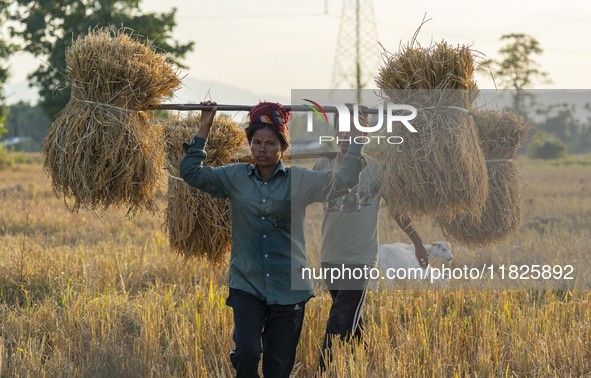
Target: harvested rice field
83	296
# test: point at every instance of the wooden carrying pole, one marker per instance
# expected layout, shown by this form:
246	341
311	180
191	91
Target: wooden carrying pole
293	108
245	108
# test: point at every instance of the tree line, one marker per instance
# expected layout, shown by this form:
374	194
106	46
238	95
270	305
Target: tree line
556	128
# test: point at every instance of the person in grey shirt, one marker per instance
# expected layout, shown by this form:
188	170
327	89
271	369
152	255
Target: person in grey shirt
267	207
350	241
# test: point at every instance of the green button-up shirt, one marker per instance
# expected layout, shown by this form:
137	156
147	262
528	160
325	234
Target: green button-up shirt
268	245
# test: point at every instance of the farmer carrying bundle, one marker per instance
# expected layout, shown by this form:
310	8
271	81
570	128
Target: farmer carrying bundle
267	206
103	149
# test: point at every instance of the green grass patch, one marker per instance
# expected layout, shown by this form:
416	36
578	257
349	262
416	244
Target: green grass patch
6	159
570	161
27	157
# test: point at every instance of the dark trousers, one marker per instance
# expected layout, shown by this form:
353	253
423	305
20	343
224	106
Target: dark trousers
344	318
279	328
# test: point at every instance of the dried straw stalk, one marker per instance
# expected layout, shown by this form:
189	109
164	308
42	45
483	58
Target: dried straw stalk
440	170
500	135
428	68
103	150
197	224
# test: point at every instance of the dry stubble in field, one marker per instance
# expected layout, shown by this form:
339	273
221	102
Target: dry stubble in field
88	297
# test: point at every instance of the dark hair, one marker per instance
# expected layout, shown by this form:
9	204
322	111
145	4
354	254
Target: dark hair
283	136
362	117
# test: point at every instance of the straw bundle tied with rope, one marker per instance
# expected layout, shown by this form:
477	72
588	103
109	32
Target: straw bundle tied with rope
103	149
439	170
500	135
197	224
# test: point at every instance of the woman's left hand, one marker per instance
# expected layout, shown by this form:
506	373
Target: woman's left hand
207	117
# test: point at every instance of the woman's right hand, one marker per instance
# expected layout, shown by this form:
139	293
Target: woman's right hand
354	131
207	117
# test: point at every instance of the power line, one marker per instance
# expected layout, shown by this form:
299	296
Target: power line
548	12
253	16
581	52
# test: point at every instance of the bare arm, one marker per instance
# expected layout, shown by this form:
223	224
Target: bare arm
214	181
420	252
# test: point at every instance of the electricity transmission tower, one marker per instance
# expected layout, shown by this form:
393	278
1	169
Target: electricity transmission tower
357	56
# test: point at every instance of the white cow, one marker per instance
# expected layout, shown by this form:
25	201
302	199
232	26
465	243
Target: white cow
402	256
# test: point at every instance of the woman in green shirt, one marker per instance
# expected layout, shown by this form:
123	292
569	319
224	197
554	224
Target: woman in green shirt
267	208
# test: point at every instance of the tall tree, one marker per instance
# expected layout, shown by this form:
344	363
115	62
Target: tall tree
6	48
518	70
4	52
49	26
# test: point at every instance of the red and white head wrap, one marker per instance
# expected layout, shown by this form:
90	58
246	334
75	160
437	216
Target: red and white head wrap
271	113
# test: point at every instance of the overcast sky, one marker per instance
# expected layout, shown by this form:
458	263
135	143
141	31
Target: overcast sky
274	46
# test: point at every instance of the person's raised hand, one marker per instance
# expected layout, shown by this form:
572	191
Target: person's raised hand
354	131
207	117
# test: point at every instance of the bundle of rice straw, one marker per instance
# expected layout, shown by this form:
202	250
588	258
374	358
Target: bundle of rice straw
197	224
103	149
440	170
500	135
